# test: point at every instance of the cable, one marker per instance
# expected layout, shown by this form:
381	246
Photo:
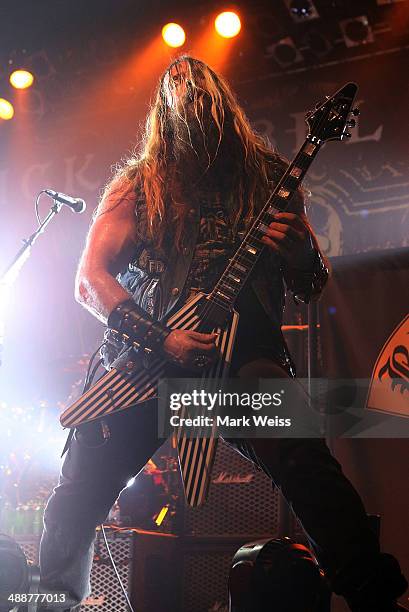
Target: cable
36	206
89	377
121	584
91	371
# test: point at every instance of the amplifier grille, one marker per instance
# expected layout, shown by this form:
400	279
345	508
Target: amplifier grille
106	594
30	545
241	500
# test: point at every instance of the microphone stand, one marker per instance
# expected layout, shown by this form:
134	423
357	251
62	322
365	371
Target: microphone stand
9	276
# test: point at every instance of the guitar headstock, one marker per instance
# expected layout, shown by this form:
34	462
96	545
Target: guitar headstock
331	119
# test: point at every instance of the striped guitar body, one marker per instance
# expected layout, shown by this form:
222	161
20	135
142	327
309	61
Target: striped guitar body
122	389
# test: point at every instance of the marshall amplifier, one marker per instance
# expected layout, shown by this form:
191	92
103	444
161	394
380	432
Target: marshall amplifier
106	594
242	501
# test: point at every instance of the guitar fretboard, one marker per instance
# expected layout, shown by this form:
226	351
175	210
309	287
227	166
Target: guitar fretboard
243	261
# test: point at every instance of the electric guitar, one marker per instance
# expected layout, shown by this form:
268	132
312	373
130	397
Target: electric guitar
214	312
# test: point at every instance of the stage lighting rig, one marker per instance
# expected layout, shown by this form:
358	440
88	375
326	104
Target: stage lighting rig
356	31
21	79
173	34
301	10
227	24
6	109
317	43
284	52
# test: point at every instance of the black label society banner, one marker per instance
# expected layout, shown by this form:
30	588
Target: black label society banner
365	329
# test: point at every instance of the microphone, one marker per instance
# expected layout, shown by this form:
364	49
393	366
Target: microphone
77	205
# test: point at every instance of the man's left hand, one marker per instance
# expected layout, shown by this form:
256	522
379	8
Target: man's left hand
289	236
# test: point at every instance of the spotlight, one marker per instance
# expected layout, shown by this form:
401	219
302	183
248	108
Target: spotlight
356	31
227	24
6	109
173	35
21	79
284	52
282	572
301	10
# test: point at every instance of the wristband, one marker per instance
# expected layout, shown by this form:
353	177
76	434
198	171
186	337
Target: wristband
307	283
137	327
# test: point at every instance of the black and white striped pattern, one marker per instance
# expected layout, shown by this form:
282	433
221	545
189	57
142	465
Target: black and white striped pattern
196	455
121	389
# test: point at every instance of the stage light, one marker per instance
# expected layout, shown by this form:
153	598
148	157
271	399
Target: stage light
284	52
173	35
356	31
6	109
21	79
301	10
318	43
284	573
227	24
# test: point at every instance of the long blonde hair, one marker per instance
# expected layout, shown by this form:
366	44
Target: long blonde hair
151	171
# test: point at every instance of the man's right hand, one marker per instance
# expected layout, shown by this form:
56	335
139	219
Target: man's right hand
184	347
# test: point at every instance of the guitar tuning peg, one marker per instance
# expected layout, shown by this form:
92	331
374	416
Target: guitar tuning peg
351	123
356	112
347	135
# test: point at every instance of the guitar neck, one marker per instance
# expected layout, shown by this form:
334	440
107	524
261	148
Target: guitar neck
243	261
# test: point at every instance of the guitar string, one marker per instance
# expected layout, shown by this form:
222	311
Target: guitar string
239	258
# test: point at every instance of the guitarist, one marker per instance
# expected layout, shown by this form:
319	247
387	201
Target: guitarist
165	228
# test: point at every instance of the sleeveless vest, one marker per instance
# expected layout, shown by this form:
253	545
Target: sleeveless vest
156	278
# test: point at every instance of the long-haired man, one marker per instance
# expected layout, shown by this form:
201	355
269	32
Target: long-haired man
166	226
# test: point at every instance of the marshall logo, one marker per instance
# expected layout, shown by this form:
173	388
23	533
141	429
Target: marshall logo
226	478
389	388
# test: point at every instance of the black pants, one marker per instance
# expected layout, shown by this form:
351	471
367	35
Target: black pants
94	472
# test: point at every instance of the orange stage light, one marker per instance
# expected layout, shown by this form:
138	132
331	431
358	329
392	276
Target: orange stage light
227	24
173	35
6	109
21	79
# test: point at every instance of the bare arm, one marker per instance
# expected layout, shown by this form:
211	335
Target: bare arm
110	244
